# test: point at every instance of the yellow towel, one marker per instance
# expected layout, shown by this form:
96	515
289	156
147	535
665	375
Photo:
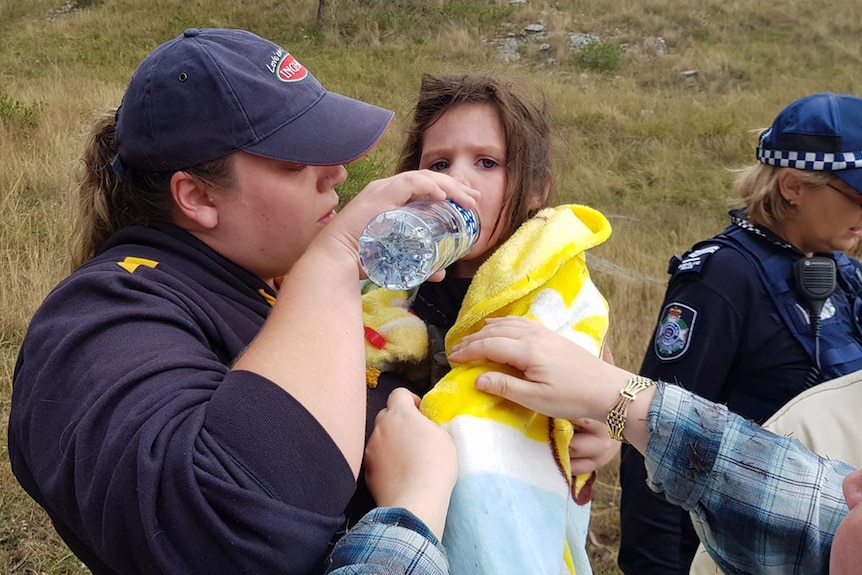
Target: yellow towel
512	510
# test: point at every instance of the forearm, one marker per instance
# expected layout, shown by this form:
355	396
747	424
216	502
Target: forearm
760	497
560	378
610	380
312	346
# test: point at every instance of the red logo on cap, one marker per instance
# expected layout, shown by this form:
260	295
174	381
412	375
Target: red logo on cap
289	70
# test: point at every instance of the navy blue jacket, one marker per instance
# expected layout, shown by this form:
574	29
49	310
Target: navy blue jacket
720	335
149	455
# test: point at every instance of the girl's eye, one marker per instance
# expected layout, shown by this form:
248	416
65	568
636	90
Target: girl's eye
487	163
440	165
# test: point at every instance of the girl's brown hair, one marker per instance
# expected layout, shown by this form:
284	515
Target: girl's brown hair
528	147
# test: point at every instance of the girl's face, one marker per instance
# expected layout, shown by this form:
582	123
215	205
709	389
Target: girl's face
273	212
827	218
468	142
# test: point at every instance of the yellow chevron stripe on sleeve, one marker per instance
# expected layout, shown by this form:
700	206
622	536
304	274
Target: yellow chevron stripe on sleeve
130	264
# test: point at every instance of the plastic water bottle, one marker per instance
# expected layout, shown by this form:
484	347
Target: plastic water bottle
402	248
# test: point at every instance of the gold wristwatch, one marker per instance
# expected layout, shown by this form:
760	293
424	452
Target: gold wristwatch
617	414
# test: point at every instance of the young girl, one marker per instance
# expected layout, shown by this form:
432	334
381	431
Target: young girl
483	133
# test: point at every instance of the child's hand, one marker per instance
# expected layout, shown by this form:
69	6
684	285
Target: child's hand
591	446
410	462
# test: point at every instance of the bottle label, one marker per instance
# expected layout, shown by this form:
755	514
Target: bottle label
469	219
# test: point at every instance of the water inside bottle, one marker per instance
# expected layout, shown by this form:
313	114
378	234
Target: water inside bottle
402	248
397	250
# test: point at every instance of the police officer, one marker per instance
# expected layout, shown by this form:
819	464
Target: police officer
763	310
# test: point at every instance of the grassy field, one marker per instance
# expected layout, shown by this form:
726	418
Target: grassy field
648	120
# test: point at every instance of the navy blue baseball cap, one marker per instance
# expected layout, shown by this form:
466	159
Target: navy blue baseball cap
212	92
820	132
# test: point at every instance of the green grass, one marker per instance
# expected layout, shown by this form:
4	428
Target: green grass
14	112
601	56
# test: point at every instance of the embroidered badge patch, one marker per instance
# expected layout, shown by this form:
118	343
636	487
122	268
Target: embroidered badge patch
673	335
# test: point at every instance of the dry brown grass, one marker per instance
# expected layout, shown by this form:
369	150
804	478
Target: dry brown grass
644	143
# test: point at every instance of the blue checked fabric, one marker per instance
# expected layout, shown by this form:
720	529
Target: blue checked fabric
818	161
388	541
759	502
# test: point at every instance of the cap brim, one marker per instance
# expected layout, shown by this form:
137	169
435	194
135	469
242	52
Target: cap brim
851	177
335	130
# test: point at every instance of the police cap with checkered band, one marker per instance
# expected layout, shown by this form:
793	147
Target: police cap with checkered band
821	132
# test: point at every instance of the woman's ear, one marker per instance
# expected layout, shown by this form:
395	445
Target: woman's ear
790	187
193	200
539	202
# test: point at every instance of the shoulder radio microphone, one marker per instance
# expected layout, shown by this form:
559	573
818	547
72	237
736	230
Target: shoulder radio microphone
815	280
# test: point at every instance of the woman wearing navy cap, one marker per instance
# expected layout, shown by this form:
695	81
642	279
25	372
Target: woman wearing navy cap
191	399
749	317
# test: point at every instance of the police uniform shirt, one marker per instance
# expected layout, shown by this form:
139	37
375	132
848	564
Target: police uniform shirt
720	335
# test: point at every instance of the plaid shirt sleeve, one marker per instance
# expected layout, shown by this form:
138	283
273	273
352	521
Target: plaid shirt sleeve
759	502
390	541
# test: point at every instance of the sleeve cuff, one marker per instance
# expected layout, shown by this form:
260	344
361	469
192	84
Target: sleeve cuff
685	433
390	540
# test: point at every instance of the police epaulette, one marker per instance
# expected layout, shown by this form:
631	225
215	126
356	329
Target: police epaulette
693	260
